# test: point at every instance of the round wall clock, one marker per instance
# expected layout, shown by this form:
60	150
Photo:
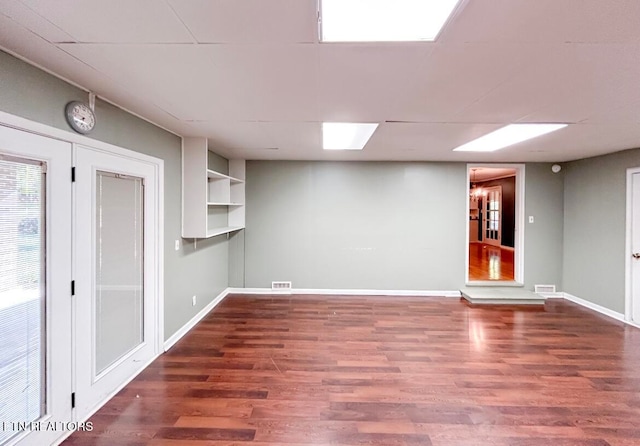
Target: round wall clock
80	117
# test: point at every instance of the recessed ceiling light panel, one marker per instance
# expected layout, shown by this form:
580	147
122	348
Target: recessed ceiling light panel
383	20
507	136
346	135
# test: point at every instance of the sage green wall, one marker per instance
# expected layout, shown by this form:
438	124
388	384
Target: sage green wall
33	94
595	228
236	259
543	239
387	226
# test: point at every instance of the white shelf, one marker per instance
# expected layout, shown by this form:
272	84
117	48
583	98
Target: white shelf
213	175
212	201
224	204
219	231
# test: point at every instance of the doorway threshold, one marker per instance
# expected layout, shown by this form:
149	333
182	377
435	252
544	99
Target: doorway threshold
495	283
501	295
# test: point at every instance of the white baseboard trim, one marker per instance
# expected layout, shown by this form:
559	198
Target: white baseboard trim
348	292
556	295
261	291
194	320
595	307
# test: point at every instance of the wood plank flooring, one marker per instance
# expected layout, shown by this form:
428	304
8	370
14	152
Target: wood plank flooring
487	262
317	370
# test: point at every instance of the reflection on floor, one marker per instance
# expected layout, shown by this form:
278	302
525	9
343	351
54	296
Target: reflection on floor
487	262
354	370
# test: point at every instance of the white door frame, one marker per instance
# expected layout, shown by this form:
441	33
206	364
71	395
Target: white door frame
518	239
57	342
94	389
628	288
19	123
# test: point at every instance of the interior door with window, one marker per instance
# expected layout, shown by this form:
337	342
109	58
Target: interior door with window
35	288
115	272
492	224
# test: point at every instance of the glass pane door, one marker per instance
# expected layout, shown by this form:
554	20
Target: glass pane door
35	287
117	265
492	216
119	292
22	292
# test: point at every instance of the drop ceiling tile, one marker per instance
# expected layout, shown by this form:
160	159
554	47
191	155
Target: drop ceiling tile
249	21
161	73
265	82
578	141
438	139
17	39
562	83
298	136
585	87
456	76
233	135
114	21
545	21
626	114
215	82
29	19
369	83
266	140
541	78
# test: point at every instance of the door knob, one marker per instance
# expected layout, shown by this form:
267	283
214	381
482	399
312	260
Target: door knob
636	255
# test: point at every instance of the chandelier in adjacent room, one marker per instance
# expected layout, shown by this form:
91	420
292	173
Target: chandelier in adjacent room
475	191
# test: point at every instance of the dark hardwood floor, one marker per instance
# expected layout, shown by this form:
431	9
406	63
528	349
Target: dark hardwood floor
487	262
314	370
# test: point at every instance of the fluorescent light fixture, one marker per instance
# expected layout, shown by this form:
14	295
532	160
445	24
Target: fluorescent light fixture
346	135
383	20
507	136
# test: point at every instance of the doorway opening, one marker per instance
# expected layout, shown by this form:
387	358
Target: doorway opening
495	218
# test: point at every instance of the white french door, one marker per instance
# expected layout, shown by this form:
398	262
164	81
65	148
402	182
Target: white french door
35	288
492	216
116	273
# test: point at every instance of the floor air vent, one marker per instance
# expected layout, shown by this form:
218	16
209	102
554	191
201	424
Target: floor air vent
544	289
281	286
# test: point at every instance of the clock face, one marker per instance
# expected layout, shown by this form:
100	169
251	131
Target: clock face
80	117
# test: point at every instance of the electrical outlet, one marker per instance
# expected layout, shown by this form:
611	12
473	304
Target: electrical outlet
193	301
177	247
530	218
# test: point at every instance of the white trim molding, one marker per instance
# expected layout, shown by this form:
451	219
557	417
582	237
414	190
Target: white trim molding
556	295
518	237
347	292
194	320
595	307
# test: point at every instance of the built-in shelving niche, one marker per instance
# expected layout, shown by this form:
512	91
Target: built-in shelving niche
212	201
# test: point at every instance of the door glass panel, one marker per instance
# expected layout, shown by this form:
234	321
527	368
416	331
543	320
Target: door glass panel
22	293
119	292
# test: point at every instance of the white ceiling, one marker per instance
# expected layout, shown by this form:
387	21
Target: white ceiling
251	76
478	174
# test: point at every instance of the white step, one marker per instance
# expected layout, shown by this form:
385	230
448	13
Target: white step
501	295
